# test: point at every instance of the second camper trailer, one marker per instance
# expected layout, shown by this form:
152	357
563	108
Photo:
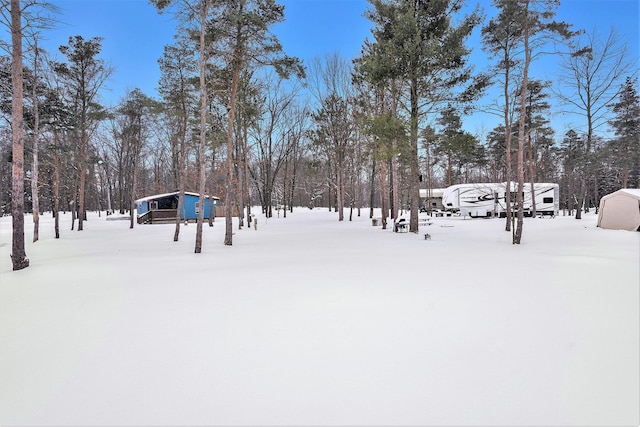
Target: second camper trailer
489	199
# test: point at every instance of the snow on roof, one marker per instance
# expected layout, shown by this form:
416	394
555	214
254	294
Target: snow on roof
634	192
175	193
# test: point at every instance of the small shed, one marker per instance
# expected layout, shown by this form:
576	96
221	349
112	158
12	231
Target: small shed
620	210
163	208
431	199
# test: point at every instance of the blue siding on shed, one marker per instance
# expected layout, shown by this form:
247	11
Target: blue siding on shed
170	200
190	202
142	207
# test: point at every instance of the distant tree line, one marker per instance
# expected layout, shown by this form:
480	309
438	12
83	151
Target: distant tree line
237	118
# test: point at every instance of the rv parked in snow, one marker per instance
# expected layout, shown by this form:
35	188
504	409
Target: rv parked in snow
489	199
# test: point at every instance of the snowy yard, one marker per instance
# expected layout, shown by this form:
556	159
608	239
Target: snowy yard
307	320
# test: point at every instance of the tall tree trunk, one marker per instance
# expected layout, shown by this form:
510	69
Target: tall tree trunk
136	156
372	188
73	211
211	203
570	192
36	135
358	190
294	172
203	124
395	187
586	167
182	159
179	210
285	188
228	236
507	136
56	185
82	169
521	130
340	187
109	187
132	202
384	192
395	178
18	253
414	168
245	163
531	176
121	201
596	199
180	182
638	162
240	178
429	181
582	193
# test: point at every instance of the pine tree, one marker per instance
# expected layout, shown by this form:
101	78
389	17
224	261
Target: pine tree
133	117
459	147
417	44
572	149
501	39
537	111
626	125
85	75
334	135
194	15
177	91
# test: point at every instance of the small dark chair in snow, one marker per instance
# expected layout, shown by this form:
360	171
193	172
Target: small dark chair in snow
399	226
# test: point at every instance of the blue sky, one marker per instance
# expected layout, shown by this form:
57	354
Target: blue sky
135	34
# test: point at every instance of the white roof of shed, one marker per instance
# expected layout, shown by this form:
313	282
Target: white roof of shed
175	193
635	192
435	192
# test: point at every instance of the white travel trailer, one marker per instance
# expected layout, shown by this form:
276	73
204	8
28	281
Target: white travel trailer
486	200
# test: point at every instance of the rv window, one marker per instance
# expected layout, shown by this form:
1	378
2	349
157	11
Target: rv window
547	200
154	205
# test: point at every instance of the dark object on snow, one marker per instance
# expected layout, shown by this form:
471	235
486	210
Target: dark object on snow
401	224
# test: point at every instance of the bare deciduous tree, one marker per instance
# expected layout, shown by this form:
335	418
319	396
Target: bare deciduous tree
590	80
18	253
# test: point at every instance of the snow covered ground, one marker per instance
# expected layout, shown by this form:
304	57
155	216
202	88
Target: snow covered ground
308	320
